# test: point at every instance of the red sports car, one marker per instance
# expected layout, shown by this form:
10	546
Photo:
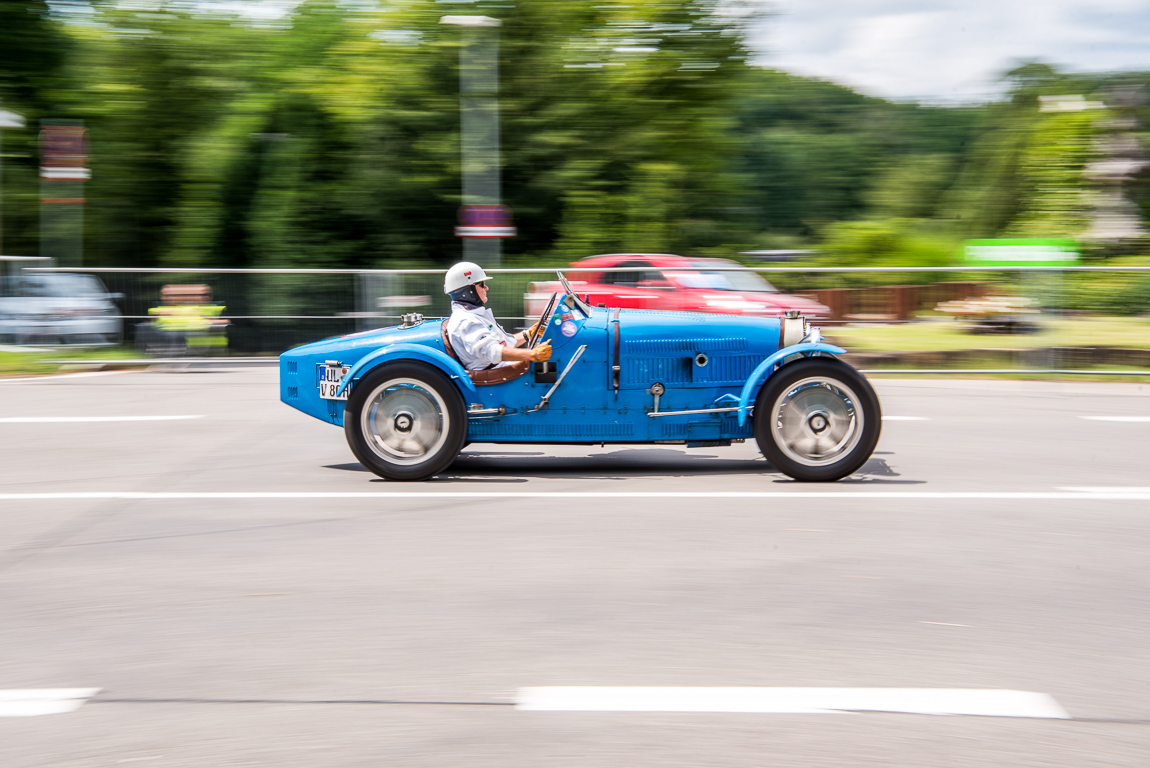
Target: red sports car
643	281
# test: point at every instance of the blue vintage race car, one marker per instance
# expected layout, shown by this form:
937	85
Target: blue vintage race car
407	405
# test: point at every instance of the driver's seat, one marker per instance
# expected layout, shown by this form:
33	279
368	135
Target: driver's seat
491	375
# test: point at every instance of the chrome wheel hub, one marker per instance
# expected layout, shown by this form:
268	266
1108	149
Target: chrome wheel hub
404	421
817	421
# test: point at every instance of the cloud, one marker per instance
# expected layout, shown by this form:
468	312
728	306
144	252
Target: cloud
949	50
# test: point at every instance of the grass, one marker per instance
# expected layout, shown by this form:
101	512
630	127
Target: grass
947	334
37	363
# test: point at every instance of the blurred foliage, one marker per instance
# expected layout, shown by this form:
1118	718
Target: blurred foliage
330	138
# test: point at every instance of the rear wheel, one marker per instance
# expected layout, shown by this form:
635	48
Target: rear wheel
817	420
405	421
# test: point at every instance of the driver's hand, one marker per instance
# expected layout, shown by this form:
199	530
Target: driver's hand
542	353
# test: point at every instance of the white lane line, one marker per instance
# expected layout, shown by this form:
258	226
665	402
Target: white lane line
919	701
1105	489
29	702
1133	419
88	419
1107	495
60	377
905	418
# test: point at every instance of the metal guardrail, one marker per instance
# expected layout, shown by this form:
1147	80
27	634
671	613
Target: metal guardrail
258	299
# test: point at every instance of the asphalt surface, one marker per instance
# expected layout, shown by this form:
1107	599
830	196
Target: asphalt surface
974	551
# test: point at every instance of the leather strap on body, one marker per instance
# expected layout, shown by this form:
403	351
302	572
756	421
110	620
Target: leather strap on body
615	368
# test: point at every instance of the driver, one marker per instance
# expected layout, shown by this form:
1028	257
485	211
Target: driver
477	339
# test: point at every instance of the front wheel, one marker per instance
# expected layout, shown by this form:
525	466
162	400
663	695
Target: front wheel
405	421
817	420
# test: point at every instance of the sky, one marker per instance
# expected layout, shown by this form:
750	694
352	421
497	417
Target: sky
943	51
948	50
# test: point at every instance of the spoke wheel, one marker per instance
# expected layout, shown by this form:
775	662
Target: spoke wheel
405	421
817	420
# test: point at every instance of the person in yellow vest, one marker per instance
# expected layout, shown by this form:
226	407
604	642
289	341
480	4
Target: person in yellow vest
186	320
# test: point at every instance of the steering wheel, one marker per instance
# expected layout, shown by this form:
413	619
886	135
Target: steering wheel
541	326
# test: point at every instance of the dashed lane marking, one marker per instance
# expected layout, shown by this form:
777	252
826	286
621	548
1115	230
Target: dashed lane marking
1105	489
1115	494
1132	419
29	702
808	701
88	419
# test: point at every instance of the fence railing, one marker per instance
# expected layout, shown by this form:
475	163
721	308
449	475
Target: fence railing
910	318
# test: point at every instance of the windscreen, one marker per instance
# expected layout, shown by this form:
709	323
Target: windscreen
708	278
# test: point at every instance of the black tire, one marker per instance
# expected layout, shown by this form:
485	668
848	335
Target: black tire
817	420
405	421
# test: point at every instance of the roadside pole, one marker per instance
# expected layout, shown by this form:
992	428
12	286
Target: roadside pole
7	120
63	171
483	220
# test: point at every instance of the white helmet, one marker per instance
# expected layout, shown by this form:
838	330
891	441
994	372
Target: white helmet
462	275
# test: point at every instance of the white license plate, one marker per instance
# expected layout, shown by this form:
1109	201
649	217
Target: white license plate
329	378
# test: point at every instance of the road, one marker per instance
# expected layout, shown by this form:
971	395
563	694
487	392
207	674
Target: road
242	593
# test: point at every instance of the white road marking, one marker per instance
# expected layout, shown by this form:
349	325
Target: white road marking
1125	494
1105	489
29	702
88	419
1133	419
61	376
920	701
905	418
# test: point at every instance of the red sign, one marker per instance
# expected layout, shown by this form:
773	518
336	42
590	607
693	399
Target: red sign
64	153
485	221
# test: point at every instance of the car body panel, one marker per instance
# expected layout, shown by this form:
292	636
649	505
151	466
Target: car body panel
703	361
408	351
767	367
661	287
62	307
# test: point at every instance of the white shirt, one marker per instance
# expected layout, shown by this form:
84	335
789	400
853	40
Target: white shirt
476	338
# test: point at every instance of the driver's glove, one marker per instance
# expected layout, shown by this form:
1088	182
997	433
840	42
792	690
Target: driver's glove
542	353
528	333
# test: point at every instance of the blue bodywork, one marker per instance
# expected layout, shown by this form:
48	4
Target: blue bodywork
704	361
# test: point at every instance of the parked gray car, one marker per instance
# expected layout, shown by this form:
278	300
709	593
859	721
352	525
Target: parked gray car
58	307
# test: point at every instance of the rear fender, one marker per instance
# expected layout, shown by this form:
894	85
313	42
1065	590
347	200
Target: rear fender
410	352
768	366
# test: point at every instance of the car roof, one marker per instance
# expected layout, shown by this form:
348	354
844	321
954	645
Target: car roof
657	259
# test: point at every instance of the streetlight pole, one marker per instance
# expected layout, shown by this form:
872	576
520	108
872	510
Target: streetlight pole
479	111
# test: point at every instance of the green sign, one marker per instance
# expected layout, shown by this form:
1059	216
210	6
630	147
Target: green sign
1020	252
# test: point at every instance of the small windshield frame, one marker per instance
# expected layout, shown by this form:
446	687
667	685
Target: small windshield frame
581	305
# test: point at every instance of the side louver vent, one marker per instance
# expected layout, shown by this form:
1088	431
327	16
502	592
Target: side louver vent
292	393
291	366
684	346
